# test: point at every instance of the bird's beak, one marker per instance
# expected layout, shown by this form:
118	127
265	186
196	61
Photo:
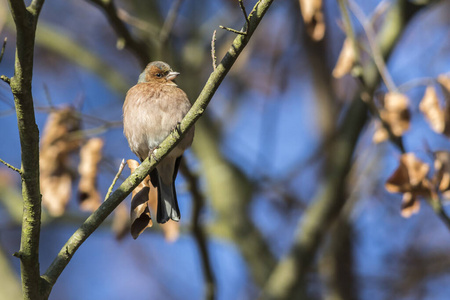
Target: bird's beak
172	75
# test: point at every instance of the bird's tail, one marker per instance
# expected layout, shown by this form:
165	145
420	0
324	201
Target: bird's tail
167	196
167	202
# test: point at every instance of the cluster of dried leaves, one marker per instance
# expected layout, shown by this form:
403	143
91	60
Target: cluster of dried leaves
314	18
57	144
394	112
144	200
410	179
62	138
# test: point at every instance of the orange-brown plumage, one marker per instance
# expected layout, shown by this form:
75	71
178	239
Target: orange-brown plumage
152	110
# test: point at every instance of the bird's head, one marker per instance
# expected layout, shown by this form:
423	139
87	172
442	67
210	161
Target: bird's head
158	72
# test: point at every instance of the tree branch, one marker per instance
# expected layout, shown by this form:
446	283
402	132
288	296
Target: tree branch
94	220
26	21
199	232
109	8
169	22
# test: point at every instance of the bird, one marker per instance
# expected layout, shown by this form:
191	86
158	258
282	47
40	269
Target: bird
154	108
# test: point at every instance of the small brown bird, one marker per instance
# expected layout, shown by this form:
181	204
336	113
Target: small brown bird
153	108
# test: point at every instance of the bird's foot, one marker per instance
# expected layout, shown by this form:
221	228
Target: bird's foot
151	153
177	129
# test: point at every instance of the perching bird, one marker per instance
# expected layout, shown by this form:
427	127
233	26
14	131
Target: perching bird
153	108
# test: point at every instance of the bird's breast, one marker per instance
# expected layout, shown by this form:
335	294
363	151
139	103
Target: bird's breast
150	113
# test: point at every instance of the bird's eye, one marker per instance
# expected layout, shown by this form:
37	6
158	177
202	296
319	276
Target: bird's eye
159	75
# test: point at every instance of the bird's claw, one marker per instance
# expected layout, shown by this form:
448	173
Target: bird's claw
177	129
152	154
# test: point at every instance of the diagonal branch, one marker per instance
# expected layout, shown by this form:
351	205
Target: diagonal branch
93	221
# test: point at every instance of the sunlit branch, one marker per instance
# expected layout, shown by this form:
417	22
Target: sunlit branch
25	20
95	219
233	30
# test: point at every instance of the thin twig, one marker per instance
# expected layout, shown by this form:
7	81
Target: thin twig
122	31
241	4
122	165
48	97
375	49
416	82
199	233
94	131
247	22
11	166
3	49
233	30
6	79
380	10
136	22
357	69
169	22
213	50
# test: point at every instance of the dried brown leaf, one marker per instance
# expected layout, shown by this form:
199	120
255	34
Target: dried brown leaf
410	179
431	109
56	190
56	145
144	201
90	156
345	61
444	82
140	216
313	17
396	112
